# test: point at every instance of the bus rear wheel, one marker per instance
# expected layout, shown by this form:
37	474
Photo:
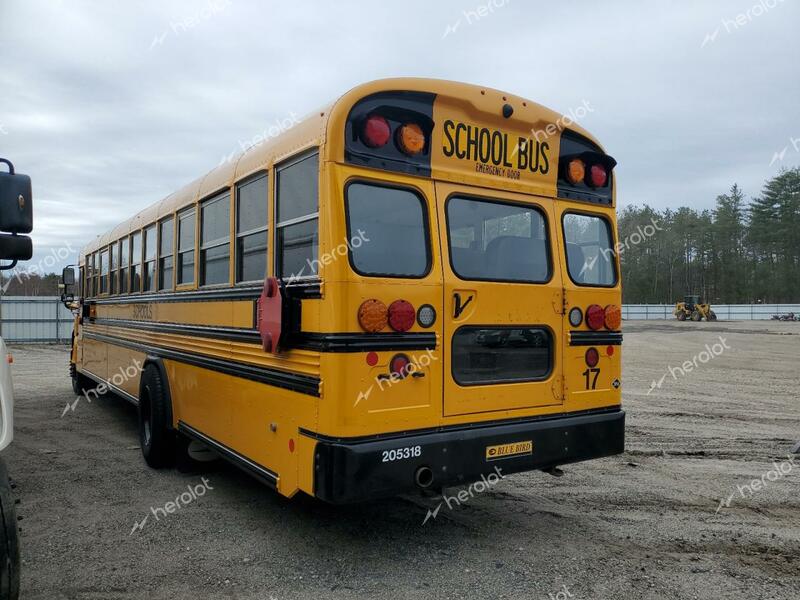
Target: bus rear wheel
80	383
156	436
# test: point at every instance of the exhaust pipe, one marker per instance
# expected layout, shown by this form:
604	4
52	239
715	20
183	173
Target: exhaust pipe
423	477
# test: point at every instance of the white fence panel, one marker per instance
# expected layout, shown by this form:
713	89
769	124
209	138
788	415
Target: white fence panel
726	312
28	319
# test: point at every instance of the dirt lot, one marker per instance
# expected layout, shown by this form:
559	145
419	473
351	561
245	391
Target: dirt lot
647	524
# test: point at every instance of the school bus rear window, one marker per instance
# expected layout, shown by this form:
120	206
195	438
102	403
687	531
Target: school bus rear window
387	231
497	241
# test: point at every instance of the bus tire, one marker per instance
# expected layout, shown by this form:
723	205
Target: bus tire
712	316
156	435
81	384
681	316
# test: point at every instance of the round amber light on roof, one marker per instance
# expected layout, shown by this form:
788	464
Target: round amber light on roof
576	171
411	138
373	316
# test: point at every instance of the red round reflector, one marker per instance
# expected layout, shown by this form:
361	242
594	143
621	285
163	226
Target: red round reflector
376	131
398	366
597	176
610	350
595	316
291	445
592	357
372	359
401	315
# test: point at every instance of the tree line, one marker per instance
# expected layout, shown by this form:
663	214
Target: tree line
22	283
739	252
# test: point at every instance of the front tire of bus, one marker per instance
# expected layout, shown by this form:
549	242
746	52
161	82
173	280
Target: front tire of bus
156	437
80	383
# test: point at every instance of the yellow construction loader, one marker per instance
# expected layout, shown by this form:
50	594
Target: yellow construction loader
692	308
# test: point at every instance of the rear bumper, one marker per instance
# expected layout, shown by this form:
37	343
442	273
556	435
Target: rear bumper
355	470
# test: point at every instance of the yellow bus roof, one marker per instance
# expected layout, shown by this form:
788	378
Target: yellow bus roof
311	132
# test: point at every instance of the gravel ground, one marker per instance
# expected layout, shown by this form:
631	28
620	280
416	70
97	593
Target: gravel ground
671	518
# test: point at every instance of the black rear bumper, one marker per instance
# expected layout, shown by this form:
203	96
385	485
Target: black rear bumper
355	470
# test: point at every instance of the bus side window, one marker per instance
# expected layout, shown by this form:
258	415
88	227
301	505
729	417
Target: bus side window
166	237
251	229
136	262
215	247
149	270
297	217
124	261
186	226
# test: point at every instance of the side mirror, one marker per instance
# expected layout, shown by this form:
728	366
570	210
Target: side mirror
68	277
16	201
15	247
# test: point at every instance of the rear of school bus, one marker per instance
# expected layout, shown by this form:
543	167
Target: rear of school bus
466	249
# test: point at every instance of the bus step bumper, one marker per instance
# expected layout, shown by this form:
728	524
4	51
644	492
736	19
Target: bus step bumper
355	470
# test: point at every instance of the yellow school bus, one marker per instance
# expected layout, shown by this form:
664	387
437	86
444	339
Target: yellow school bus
406	289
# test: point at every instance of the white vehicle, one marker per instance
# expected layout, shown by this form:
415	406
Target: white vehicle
16	217
9	545
6	398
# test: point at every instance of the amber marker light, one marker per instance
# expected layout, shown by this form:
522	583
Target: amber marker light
411	139
613	316
576	171
373	316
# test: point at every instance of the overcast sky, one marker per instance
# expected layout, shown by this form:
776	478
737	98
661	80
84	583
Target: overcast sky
110	106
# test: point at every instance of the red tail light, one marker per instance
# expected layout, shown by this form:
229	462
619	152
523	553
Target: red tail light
595	316
592	357
399	364
597	176
376	131
401	315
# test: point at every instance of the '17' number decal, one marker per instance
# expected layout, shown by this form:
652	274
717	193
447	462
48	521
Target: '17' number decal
591	378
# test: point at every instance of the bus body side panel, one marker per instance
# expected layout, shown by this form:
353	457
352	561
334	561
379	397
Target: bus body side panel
217	385
95	357
256	421
125	368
